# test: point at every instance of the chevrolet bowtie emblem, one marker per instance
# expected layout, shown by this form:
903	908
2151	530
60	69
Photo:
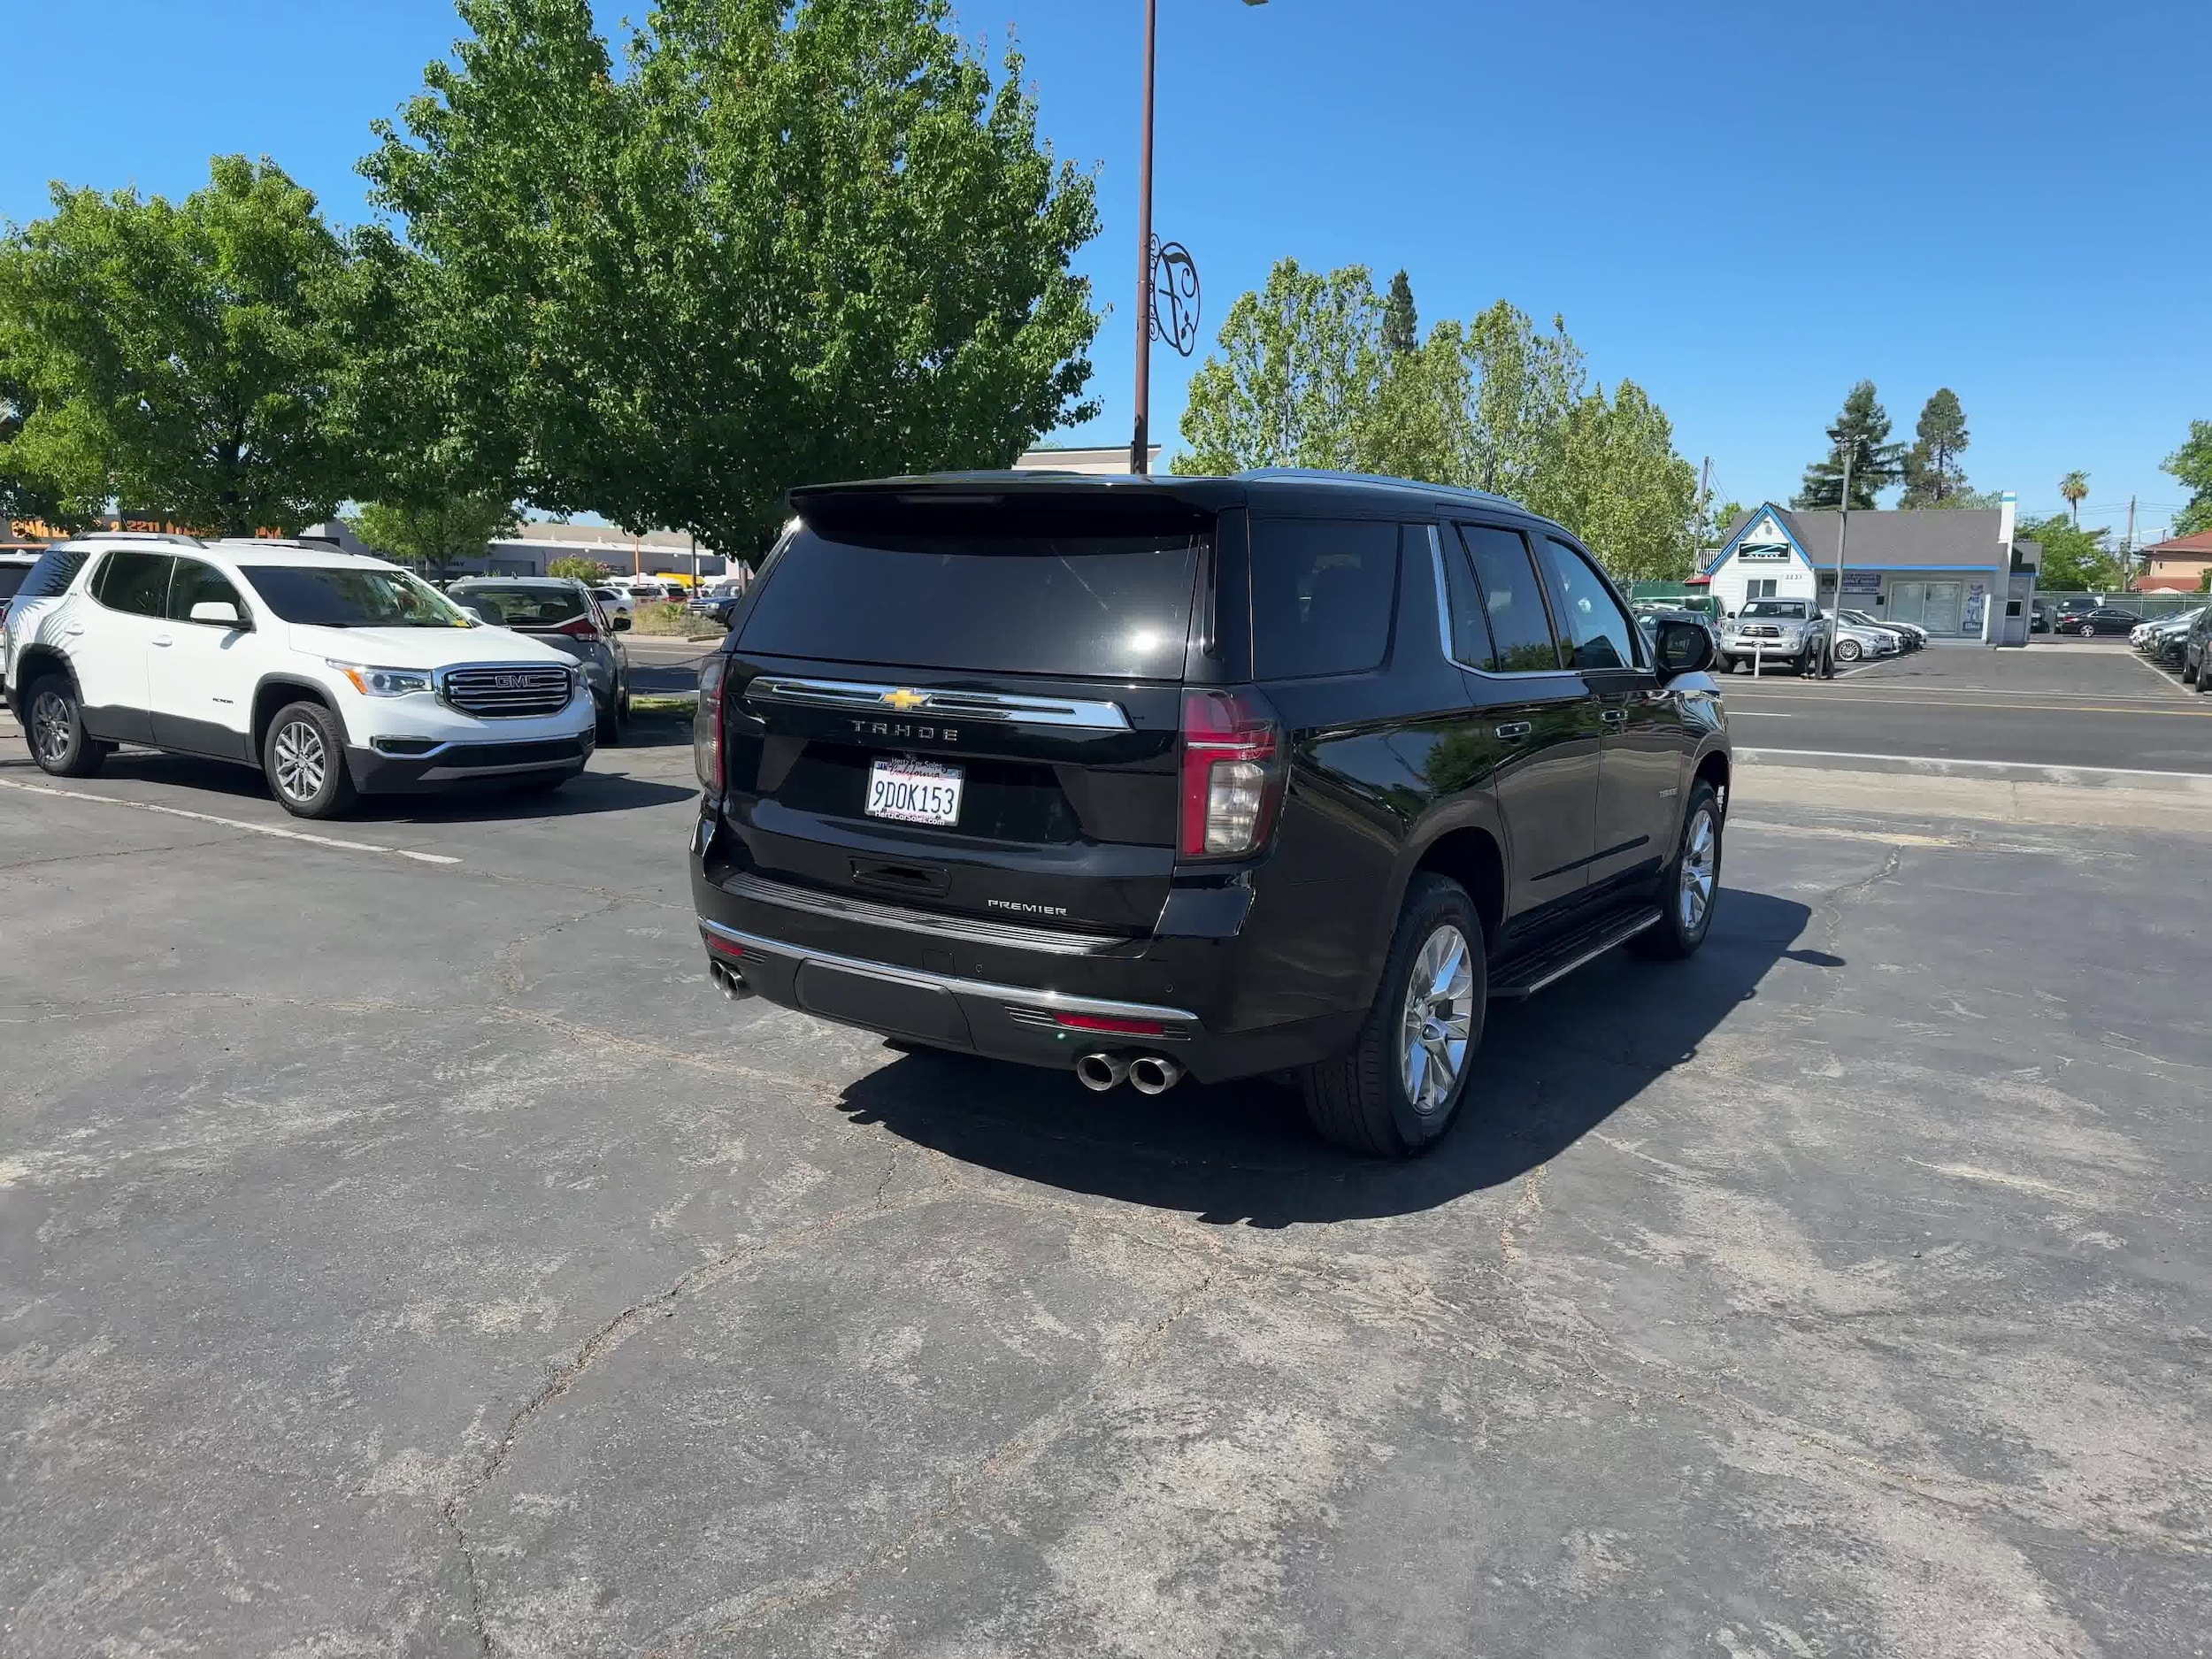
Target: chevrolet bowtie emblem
903	700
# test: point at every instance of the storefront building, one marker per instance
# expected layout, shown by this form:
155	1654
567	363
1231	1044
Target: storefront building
1958	572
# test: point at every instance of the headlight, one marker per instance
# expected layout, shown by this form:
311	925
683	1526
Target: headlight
383	682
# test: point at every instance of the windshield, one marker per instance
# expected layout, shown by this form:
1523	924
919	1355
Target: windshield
518	606
340	598
11	578
1792	608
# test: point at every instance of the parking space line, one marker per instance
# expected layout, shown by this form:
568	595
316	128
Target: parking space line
281	832
1762	752
2147	707
2174	689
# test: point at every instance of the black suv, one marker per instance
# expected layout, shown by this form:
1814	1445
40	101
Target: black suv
1223	776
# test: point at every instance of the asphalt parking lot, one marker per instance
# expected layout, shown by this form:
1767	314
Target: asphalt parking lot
405	1252
2085	704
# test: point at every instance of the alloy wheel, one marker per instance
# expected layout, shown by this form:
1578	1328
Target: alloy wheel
302	762
1700	858
1439	1010
50	725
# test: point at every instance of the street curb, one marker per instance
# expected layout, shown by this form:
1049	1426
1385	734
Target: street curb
2184	783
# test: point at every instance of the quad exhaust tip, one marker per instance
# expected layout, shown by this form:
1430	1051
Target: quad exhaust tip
1100	1070
1154	1074
730	982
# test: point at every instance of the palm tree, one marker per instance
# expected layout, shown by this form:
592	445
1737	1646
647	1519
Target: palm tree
2075	488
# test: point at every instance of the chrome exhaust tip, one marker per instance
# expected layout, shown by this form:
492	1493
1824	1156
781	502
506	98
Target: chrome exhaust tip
1099	1071
730	982
1154	1074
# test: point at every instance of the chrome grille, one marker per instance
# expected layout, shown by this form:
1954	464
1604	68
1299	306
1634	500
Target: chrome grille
494	692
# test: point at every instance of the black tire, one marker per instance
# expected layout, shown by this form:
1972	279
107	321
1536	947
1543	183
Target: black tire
303	757
612	721
1676	934
53	725
1359	1100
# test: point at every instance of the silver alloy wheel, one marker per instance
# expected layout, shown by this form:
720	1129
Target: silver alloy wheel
1700	859
49	726
1439	1007
302	763
1848	649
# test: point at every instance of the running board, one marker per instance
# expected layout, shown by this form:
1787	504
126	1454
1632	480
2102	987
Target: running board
1525	976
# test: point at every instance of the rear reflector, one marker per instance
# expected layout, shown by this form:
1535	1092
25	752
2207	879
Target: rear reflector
1099	1022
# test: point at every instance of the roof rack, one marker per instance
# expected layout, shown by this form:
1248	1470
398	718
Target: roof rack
170	537
1372	480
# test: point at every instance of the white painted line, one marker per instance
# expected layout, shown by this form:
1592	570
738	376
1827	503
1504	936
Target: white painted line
1759	714
231	823
2174	688
1940	762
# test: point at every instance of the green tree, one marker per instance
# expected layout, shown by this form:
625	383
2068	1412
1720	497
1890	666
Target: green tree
1862	431
187	351
780	243
52	471
2075	560
1297	377
2075	488
1529	381
437	536
2191	463
577	569
1720	520
1620	485
1933	474
1402	324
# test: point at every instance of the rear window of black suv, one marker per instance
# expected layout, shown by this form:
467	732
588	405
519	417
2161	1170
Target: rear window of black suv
1323	593
1085	607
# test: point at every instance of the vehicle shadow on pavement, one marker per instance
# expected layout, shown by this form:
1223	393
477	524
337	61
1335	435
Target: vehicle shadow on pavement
219	782
1551	1069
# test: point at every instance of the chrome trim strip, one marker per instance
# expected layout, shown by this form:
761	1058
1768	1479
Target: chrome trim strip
1009	708
1020	995
975	929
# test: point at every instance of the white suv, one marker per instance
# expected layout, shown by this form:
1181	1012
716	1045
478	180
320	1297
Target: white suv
332	672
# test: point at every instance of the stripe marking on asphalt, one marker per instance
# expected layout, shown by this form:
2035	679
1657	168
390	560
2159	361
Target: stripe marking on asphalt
1939	760
231	823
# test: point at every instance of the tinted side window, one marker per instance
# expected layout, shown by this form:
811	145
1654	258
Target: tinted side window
137	583
195	584
1597	630
55	568
1323	593
1520	633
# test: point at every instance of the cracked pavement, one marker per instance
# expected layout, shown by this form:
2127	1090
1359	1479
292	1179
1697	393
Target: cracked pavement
401	1258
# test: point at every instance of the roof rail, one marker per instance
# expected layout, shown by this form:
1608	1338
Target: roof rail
169	537
1374	480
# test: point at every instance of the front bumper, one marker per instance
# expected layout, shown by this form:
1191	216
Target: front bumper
395	765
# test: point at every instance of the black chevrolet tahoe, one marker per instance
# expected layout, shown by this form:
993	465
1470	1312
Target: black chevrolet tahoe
1148	777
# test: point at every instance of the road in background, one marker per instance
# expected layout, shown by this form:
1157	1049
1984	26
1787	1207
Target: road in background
2051	705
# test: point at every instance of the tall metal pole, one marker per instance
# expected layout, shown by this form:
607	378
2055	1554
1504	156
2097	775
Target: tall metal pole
1843	531
1140	444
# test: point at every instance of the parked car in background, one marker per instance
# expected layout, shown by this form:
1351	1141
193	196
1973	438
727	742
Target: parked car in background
1148	776
2091	620
332	672
715	605
617	604
2165	639
1854	643
1911	636
563	614
14	566
2196	653
1770	630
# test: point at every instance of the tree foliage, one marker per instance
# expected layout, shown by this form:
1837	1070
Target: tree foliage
2191	463
1934	476
2075	560
577	569
781	244
1401	323
2075	488
435	536
1862	431
181	357
1305	375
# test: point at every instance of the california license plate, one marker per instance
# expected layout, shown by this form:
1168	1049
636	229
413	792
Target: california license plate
914	791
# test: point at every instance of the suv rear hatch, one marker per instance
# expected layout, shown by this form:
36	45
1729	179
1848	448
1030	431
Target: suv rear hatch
968	706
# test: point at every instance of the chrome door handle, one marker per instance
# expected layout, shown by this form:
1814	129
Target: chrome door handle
162	639
1614	716
74	628
1513	731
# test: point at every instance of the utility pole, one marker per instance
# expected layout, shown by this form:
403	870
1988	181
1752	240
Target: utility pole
2127	552
1140	445
1843	531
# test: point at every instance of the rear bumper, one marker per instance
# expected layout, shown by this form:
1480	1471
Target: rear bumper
1031	1006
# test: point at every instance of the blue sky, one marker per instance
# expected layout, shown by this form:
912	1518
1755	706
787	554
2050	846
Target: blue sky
1733	203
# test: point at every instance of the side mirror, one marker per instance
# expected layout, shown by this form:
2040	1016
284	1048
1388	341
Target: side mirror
1682	648
619	622
476	617
216	611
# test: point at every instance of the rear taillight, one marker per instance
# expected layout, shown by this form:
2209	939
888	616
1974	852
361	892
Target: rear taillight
580	628
1233	774
706	725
